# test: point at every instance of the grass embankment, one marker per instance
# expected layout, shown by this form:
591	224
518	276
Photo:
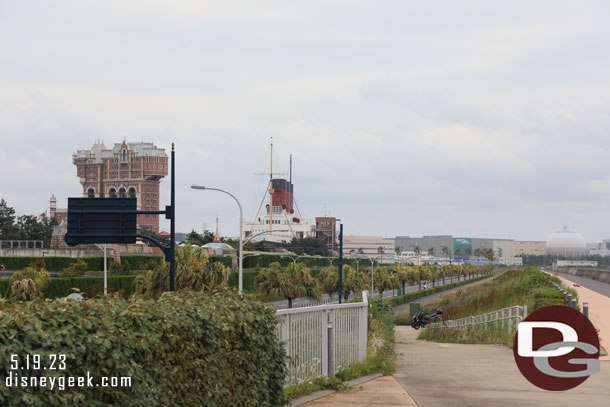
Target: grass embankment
528	286
379	355
404	317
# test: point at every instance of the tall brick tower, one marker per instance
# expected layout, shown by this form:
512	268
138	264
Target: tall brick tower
126	170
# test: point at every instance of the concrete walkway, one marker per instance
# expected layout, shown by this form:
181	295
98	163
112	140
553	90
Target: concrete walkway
599	312
384	391
438	374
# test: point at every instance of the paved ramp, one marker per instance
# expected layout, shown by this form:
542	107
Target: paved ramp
437	374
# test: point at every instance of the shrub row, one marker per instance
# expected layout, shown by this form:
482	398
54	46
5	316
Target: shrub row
53	263
403	299
184	349
88	286
129	262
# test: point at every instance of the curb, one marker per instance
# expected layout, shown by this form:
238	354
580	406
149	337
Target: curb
323	393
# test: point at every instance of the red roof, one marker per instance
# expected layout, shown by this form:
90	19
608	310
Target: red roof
164	233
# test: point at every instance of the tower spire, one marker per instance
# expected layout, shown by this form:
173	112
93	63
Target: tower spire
216	236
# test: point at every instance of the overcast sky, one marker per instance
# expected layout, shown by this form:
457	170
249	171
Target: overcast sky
471	118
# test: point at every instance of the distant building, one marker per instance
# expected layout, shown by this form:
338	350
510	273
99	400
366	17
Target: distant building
326	230
514	248
509	261
575	263
368	245
59	214
445	245
130	170
599	249
566	243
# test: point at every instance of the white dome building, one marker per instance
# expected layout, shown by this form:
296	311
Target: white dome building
566	242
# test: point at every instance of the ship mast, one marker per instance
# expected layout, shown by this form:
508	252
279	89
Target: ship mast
271	190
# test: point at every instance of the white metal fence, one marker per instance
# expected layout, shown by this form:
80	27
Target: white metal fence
323	340
503	318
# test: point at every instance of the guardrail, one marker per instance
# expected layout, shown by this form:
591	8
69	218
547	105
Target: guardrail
502	318
323	340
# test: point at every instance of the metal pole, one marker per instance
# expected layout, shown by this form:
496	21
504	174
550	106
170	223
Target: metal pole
241	226
172	242
340	262
105	273
372	279
585	309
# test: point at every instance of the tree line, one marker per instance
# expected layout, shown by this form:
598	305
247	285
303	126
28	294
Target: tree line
24	227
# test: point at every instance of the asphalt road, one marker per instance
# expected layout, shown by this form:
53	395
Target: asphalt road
597	286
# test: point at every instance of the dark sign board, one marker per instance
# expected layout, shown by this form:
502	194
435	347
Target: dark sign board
101	220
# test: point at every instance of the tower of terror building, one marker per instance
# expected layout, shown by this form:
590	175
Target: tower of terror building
132	170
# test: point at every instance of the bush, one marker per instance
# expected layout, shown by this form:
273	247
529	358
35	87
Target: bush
184	349
403	299
78	268
547	296
88	286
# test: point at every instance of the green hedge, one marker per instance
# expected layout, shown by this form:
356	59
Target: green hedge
88	286
403	299
130	262
248	280
184	349
54	263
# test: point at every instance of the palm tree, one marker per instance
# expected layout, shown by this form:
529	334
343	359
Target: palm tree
292	282
417	250
431	251
405	276
433	274
360	250
353	282
397	250
28	285
384	280
329	280
380	250
194	271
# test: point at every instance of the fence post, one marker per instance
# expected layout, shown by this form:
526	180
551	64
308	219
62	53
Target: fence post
325	346
363	327
502	316
510	320
585	309
570	301
565	297
331	350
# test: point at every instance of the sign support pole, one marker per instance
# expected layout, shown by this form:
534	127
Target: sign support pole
340	263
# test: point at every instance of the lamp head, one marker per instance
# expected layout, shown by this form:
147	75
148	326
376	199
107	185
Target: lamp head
197	187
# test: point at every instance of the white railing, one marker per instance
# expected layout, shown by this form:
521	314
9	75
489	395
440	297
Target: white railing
502	318
323	340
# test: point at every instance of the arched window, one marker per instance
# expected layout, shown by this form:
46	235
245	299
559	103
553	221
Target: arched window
90	193
112	193
132	192
124	155
122	193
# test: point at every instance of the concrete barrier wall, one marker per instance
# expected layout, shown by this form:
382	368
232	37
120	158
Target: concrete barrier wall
593	274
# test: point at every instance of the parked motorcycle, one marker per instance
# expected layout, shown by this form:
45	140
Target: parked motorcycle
421	319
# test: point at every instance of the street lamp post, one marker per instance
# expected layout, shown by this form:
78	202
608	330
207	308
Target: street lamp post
105	269
241	225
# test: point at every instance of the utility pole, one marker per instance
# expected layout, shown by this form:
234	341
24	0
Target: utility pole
340	262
